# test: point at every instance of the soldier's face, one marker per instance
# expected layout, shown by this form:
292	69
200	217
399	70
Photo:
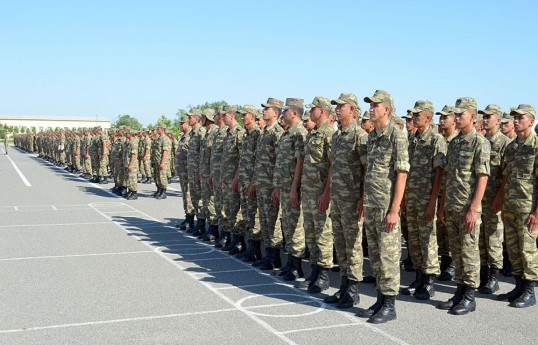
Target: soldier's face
507	127
465	119
523	122
378	111
309	124
490	121
366	125
446	122
420	120
227	118
269	113
288	116
260	123
315	114
344	111
409	124
193	120
248	119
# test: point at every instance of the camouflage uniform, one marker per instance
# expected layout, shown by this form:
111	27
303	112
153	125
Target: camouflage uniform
208	206
233	221
427	152
181	171
162	144
131	148
193	166
216	158
140	155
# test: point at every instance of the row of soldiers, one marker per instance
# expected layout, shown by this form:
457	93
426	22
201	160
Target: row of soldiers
274	181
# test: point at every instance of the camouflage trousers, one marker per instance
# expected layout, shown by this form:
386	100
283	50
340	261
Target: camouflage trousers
384	250
249	211
172	164
62	157
318	232
131	178
95	165
217	200
196	194
186	195
292	225
231	205
76	161
422	241
521	244
491	236
161	180
269	215
208	204
347	234
116	173
464	248
103	164
144	166
169	167
87	165
442	238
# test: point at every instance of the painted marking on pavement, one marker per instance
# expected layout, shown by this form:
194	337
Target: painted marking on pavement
74	255
318	328
57	224
21	175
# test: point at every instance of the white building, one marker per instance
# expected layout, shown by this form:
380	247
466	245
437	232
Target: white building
43	123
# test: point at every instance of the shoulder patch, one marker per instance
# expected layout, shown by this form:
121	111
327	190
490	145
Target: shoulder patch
485	148
400	145
364	140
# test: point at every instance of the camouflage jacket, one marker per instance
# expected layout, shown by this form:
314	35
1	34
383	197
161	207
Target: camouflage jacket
180	161
521	167
130	148
387	153
248	155
498	143
468	156
348	155
290	148
266	155
205	151
216	154
427	151
162	143
195	141
141	147
316	161
230	153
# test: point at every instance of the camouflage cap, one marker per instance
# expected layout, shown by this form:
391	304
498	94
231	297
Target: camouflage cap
492	109
478	117
183	119
447	110
195	112
209	114
305	116
346	98
144	129
219	110
161	125
230	109
506	117
463	104
366	115
422	105
273	102
523	109
409	114
380	96
293	102
399	121
250	109
320	102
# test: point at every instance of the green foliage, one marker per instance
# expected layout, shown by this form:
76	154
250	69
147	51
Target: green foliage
128	120
163	120
5	129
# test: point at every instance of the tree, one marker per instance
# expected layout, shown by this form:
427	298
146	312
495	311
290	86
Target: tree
163	120
128	120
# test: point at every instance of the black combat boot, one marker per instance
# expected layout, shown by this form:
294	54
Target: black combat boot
338	294
387	311
296	270
492	285
156	193
351	296
223	240
249	248
287	267
515	293
314	272
266	259
448	271
183	224
275	260
239	247
200	225
203	232
322	283
104	180
374	308
256	254
414	285
407	264
95	179
132	196
527	298
426	291
466	304
115	188
231	244
484	274
127	193
212	233
162	194
453	300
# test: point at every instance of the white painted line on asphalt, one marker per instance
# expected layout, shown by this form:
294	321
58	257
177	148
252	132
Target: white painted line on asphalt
16	208
250	286
57	224
143	318
74	255
54	207
318	328
227	271
21	175
281	304
207	259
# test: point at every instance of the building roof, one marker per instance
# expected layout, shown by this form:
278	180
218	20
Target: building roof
54	118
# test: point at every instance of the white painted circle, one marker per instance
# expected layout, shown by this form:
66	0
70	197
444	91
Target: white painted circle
205	250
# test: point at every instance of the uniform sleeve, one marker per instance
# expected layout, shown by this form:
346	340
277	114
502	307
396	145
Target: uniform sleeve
401	162
482	157
300	138
363	147
134	147
439	153
167	145
332	140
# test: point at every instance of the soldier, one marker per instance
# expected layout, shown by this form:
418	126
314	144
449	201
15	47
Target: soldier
467	176
399	122
507	125
260	122
518	194
366	124
347	157
94	156
287	186
115	158
174	143
208	205
61	149
263	182
142	149
384	185
160	162
102	153
479	123
492	230
308	124
447	124
229	172
6	142
247	192
130	164
181	171
193	164
427	160
409	125
76	152
316	194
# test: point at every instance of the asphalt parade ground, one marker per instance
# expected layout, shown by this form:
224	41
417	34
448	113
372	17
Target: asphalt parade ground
79	265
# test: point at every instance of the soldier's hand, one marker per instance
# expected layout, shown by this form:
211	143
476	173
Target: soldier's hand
275	196
429	211
360	209
235	184
198	179
441	215
220	185
210	181
390	221
161	166
186	176
129	168
323	202
469	221
252	191
497	204
532	221
87	156
294	197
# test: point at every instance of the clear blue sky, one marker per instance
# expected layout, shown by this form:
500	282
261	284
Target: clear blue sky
147	58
